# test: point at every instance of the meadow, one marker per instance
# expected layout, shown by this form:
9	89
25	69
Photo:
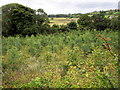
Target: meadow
61	21
75	59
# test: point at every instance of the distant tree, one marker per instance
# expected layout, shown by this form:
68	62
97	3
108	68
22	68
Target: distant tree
85	21
52	18
16	18
72	25
44	29
39	19
102	12
63	28
33	30
115	23
41	16
40	11
100	23
54	28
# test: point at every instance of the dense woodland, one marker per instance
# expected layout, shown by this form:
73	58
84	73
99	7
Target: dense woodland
79	54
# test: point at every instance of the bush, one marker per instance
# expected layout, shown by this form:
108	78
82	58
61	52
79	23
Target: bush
54	28
85	21
64	28
72	25
115	23
100	23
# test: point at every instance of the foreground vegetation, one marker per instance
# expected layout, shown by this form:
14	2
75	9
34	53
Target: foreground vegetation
76	59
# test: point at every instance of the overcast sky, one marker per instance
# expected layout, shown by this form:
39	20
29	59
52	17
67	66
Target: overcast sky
66	6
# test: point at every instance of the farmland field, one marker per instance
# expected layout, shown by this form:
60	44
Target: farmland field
76	59
61	21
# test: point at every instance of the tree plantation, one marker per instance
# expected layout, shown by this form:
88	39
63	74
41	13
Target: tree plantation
82	53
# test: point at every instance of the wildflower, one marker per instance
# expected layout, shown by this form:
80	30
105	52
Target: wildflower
87	75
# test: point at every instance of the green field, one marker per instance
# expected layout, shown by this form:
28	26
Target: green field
75	59
62	21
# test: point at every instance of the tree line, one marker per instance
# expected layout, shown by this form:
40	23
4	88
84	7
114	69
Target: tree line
77	15
21	20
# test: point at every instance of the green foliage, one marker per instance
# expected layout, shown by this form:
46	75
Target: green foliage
85	21
16	18
21	20
72	25
66	60
64	28
115	23
54	28
100	23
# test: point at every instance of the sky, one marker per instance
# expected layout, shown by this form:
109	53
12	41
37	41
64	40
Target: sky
66	6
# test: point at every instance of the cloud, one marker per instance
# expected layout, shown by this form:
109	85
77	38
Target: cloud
66	6
97	5
83	7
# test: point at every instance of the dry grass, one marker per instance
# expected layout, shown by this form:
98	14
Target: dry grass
62	21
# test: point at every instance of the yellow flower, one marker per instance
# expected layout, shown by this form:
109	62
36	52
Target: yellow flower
71	66
87	75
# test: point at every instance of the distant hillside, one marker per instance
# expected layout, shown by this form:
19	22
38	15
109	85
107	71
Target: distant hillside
107	13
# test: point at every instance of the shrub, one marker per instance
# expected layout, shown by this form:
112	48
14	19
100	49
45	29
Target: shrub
115	23
72	25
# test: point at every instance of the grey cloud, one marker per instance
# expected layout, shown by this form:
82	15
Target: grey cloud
83	7
80	7
69	6
96	5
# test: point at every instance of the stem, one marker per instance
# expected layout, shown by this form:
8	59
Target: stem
109	48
